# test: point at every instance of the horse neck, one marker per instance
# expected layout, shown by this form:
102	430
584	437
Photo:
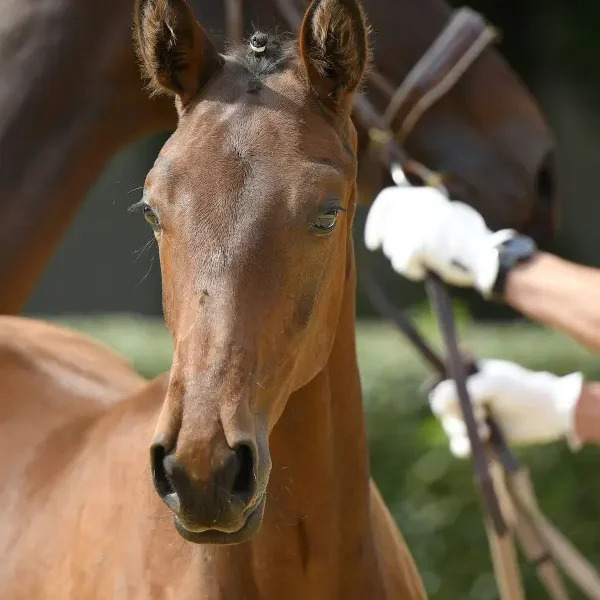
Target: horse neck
316	540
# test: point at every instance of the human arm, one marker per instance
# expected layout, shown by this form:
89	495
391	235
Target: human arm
587	414
419	229
560	294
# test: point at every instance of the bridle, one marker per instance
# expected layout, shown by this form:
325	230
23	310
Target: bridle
509	502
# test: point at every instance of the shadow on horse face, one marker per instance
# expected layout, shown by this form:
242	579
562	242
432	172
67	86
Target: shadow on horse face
251	200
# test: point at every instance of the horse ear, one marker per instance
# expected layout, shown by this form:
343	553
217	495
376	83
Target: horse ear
175	51
334	47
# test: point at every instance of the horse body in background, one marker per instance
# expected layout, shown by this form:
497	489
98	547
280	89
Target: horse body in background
72	98
259	457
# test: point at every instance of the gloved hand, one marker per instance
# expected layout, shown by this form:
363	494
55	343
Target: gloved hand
530	407
420	230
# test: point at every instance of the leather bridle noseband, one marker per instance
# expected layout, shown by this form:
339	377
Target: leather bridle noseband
509	502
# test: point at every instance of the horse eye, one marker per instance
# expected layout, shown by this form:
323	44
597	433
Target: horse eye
150	216
326	220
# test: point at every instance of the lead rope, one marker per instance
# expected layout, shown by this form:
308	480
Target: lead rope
504	558
499	535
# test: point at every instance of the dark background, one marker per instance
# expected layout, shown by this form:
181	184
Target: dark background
553	44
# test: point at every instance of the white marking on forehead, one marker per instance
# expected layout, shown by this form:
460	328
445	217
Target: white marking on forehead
257	49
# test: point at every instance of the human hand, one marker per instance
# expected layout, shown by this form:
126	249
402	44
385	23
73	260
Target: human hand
530	407
419	230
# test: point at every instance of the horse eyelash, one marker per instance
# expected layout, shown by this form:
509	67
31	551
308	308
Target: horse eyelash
137	206
334	205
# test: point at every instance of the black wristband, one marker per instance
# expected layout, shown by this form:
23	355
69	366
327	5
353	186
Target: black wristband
515	251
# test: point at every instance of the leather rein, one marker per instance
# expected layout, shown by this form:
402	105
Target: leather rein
509	503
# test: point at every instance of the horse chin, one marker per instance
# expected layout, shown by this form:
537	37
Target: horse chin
223	538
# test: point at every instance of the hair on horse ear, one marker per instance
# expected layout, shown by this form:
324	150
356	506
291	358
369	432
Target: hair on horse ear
174	50
334	47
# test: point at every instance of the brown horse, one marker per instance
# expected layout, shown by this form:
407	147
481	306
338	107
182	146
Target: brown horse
259	445
72	98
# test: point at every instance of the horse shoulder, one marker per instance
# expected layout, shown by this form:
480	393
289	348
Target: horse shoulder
75	423
52	380
57	361
400	572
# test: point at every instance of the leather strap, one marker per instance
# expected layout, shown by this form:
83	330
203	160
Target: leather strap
234	20
459	45
500	539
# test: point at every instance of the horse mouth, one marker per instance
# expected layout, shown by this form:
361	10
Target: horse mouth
223	538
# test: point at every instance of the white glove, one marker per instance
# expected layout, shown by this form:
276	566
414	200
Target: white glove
420	230
530	407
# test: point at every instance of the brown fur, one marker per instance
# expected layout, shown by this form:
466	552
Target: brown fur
175	53
334	35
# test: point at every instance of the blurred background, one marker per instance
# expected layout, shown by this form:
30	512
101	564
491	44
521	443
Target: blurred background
109	267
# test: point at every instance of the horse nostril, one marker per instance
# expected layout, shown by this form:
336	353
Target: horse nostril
184	493
159	462
243	484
